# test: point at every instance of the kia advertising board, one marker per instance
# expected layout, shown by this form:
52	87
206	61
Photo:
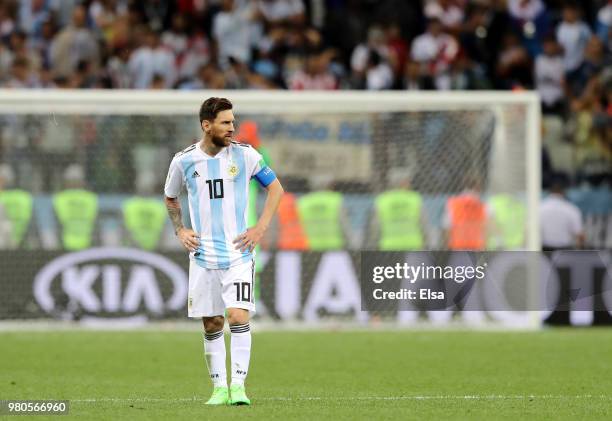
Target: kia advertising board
126	283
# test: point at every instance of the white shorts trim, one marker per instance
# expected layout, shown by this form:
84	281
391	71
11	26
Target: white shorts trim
211	291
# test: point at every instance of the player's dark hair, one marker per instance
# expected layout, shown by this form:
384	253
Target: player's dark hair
212	106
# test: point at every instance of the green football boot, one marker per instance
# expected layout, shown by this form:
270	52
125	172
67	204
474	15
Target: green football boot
219	396
238	395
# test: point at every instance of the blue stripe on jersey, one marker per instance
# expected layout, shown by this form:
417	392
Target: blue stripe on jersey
216	206
240	190
241	196
188	167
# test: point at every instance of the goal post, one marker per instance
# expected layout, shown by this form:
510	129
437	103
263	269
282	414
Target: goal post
516	120
360	141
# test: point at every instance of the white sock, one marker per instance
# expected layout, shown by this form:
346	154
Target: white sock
241	352
214	351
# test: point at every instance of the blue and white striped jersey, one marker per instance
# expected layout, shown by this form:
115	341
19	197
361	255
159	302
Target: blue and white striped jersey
218	192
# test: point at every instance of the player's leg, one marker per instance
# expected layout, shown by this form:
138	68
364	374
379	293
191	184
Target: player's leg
205	302
240	329
215	356
239	299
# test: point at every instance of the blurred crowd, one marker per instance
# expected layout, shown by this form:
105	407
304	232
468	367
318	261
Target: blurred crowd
562	49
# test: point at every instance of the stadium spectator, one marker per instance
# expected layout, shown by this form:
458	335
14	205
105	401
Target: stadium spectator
604	24
73	44
315	75
447	12
117	69
379	75
20	48
232	32
100	43
33	13
281	12
292	46
589	127
398	49
595	61
6	59
21	75
62	10
435	51
151	59
156	13
549	77
103	14
529	19
481	37
84	77
7	19
360	56
197	53
514	64
414	79
208	77
573	35
175	38
41	46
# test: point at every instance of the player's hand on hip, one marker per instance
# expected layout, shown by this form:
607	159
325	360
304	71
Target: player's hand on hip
188	238
249	239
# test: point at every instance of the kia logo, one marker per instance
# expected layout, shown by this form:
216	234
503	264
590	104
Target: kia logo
78	272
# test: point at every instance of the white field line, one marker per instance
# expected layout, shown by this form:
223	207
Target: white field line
261	325
361	398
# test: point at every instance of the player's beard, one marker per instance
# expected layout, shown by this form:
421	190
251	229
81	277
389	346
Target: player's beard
220	141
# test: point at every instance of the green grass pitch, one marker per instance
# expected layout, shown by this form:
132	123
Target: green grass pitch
375	375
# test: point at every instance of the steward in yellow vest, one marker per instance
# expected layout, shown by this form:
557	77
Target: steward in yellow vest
17	206
144	220
320	215
509	216
399	214
76	210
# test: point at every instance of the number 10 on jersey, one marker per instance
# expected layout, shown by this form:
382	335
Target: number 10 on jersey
243	291
215	188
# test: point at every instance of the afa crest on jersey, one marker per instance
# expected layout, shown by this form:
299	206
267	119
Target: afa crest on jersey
233	170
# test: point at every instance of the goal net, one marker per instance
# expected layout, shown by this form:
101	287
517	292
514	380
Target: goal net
118	145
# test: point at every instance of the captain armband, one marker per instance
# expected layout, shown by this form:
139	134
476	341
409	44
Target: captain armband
265	176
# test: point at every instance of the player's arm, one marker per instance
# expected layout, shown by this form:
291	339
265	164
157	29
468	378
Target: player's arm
188	238
252	236
174	183
267	179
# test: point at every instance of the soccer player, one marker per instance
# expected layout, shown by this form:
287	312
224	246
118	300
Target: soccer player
216	171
